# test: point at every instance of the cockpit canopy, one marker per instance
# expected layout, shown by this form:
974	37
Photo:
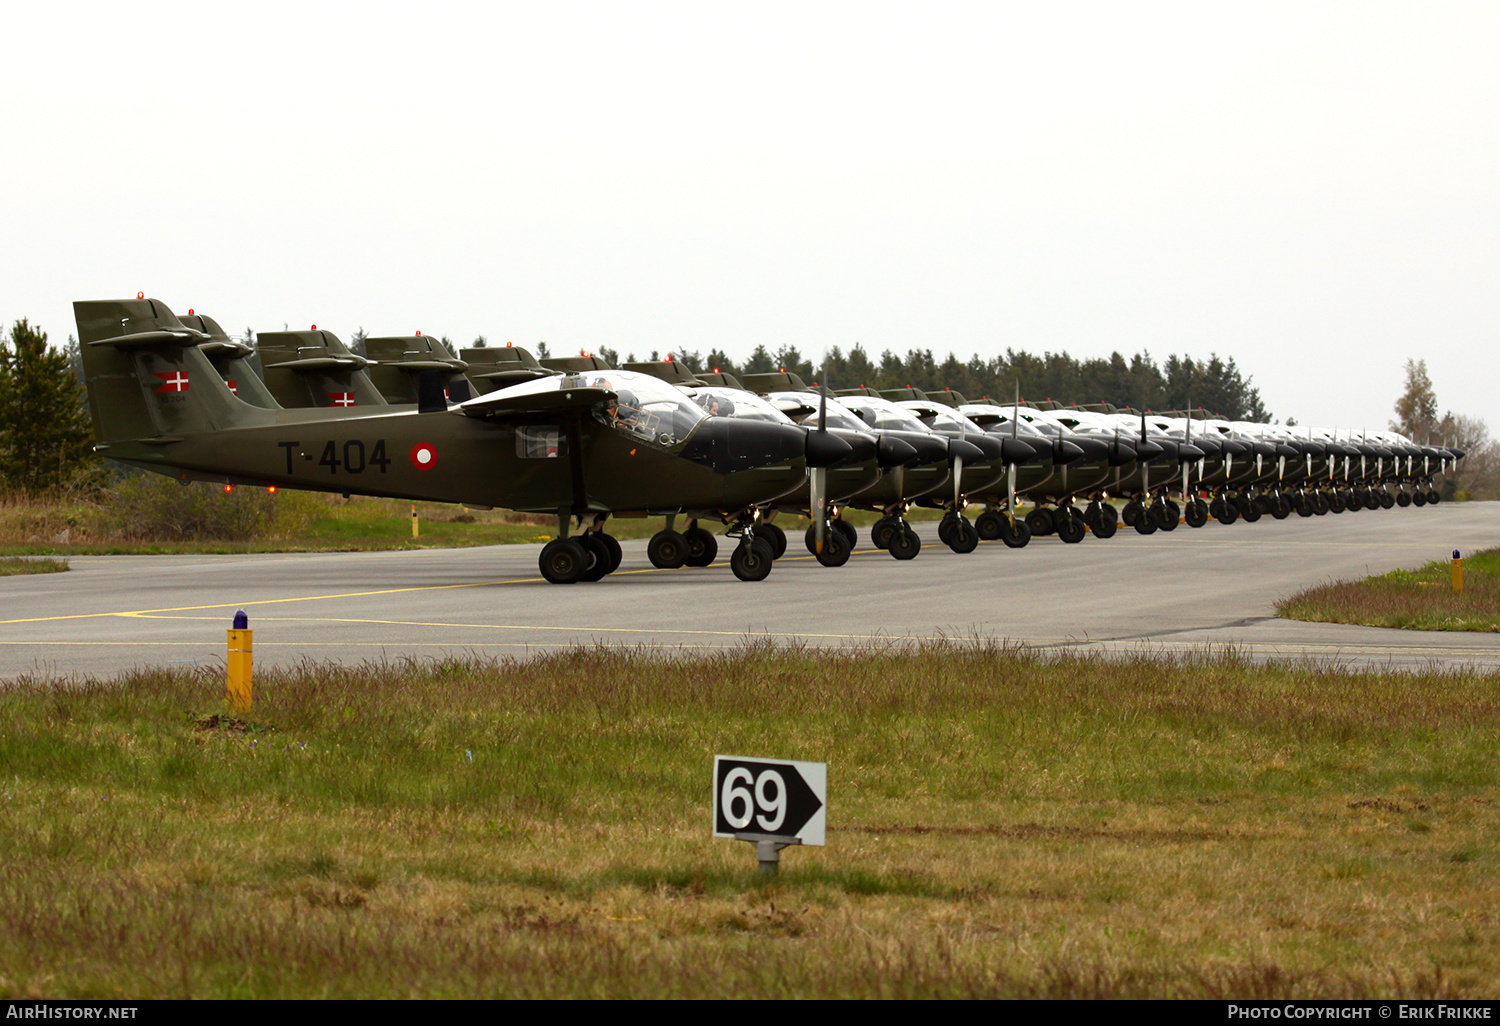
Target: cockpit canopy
647	407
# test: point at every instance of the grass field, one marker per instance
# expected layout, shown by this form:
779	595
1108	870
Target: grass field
10	566
1421	599
329	524
1000	824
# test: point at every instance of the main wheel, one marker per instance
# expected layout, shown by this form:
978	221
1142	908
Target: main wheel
1372	500
1387	500
598	558
945	527
1419	498
961	536
1403	498
751	560
702	547
1228	511
1195	513
905	544
1249	509
847	530
1335	502
880	534
835	549
563	561
1106	521
1069	525
615	555
1040	521
1167	515
1145	521
1131	513
1304	505
1014	535
773	536
1319	504
1352	502
1433	498
1281	507
667	550
990	525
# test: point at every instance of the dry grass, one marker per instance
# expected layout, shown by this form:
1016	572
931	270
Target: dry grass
1000	824
10	566
1421	599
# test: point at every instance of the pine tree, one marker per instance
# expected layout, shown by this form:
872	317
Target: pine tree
45	437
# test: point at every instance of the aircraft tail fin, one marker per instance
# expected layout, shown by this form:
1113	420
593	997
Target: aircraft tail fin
146	376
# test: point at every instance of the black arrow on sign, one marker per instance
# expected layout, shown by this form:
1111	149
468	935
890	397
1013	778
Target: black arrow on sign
801	803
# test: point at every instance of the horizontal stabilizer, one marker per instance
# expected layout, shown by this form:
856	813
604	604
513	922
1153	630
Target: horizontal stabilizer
163	337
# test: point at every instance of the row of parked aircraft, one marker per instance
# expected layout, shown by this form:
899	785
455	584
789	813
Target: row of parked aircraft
578	439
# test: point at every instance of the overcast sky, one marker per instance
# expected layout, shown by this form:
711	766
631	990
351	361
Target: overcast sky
1308	187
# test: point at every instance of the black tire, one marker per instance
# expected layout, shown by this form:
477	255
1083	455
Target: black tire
1419	498
1228	512
962	538
1041	522
773	536
615	555
1069	525
945	527
1166	515
905	544
1319	504
667	550
847	530
1131	513
835	549
1145	521
1372	500
1281	508
880	534
990	525
1014	535
1106	521
598	558
1433	498
811	540
702	547
1352	502
1249	509
563	561
1195	513
1335	502
1403	499
751	561
1304	506
1387	500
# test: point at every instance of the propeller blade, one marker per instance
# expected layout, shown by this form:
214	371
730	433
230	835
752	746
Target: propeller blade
1010	488
819	489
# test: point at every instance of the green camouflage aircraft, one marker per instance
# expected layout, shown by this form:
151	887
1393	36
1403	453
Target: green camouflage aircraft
580	445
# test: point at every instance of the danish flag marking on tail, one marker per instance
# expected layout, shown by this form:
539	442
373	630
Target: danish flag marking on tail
341	398
233	389
175	381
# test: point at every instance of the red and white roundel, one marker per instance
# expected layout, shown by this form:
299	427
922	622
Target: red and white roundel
423	456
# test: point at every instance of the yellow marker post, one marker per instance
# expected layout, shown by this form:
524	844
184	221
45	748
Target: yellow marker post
239	663
414	520
1458	573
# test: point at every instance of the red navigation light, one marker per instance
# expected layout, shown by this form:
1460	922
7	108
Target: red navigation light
509	344
783	370
314	327
419	333
669	357
716	370
140	295
190	311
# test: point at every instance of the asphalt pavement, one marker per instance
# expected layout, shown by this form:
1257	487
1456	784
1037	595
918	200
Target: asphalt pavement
1175	592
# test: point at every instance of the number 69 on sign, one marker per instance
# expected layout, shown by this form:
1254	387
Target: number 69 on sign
770	798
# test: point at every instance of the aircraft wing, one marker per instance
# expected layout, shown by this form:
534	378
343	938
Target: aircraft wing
514	402
161	337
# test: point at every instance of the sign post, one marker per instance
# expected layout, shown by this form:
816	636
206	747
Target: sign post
770	803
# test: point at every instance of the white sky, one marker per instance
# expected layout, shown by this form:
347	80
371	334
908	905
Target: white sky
1308	187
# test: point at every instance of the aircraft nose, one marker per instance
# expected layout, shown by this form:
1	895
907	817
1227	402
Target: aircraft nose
1290	452
893	452
862	446
728	445
1013	450
962	449
1094	450
1233	447
1064	451
1189	453
930	448
824	449
1168	448
1120	454
1211	446
1146	450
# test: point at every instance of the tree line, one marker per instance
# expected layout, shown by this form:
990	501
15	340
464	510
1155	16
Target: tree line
1214	384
